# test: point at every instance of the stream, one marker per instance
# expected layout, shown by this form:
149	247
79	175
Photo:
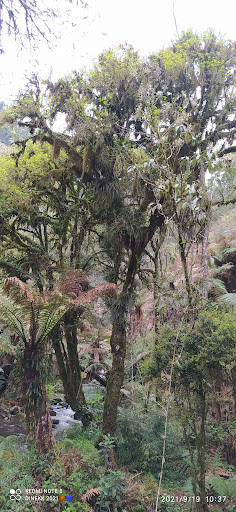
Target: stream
64	415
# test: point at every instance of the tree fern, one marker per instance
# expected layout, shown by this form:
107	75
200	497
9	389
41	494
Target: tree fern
19	293
217	461
227	252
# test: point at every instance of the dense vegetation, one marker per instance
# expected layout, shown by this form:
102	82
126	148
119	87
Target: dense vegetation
116	266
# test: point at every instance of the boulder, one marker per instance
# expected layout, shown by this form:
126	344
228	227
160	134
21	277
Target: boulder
57	401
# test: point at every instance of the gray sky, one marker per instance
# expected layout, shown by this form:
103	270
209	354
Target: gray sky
146	24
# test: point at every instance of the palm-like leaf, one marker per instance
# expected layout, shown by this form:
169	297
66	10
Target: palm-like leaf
32	316
28	314
12	315
50	314
73	282
228	252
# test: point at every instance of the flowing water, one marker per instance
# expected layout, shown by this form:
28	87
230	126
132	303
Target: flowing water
15	424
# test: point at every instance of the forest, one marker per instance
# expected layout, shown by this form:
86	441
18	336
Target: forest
118	280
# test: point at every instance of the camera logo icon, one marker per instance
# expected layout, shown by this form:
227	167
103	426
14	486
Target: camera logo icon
15	494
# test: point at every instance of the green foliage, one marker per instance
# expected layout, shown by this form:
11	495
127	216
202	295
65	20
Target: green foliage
217	433
138	137
140	444
16	468
218	486
77	438
106	446
112	487
28	315
208	350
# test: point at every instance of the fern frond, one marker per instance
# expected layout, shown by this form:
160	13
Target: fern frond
229	299
12	316
188	488
227	252
51	319
19	292
73	283
5	341
217	485
105	289
142	355
217	287
223	268
231	484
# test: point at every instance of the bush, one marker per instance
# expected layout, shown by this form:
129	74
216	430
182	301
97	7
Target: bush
112	486
140	444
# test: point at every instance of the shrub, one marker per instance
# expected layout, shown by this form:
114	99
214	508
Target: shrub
140	444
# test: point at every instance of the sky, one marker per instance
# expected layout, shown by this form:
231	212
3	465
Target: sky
148	25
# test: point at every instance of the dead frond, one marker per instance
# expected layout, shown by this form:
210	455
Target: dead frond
18	291
105	289
73	283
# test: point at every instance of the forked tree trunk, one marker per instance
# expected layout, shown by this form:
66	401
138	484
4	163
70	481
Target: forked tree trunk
68	364
118	337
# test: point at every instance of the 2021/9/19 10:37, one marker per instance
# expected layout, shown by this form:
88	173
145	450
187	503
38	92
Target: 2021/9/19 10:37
187	499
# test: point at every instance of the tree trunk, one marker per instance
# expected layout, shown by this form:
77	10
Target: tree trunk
75	377
202	506
116	376
68	362
45	441
118	337
156	291
233	375
118	350
39	430
185	267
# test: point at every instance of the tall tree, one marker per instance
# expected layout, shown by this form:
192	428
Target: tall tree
138	139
